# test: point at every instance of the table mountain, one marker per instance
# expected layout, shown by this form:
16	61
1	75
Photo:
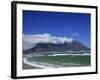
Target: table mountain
61	47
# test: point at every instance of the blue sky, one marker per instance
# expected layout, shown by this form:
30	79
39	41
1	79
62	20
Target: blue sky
71	25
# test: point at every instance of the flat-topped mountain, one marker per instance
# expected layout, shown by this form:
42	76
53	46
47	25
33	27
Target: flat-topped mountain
60	47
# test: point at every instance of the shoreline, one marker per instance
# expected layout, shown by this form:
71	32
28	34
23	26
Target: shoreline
40	65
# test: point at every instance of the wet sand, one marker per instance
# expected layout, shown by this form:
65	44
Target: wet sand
26	66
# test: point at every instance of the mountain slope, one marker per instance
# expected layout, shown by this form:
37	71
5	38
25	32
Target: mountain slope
47	47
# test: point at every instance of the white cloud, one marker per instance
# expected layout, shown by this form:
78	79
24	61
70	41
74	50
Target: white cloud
75	34
30	41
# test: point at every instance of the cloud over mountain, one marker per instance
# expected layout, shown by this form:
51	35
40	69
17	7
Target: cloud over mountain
30	41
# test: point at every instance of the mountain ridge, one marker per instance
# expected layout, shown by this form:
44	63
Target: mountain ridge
60	47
